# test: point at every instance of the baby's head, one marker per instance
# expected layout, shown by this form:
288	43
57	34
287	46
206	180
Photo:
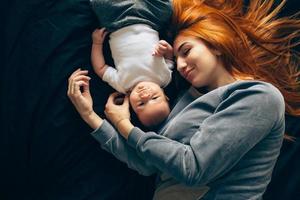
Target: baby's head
150	103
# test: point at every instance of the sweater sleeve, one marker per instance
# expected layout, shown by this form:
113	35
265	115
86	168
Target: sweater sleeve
111	141
239	122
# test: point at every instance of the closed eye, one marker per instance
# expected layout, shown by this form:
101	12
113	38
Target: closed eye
186	51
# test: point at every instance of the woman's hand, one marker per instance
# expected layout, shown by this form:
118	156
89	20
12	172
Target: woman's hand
79	94
119	114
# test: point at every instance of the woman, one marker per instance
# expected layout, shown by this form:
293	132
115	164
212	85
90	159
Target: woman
227	138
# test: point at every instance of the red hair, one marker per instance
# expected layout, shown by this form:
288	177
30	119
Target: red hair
252	41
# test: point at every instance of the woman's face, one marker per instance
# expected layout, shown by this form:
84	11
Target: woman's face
199	64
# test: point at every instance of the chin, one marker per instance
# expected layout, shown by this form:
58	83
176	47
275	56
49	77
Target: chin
196	83
199	84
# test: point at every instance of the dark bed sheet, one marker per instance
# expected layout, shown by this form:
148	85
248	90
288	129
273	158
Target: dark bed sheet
46	149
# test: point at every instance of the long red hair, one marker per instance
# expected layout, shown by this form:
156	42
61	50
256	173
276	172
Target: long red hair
252	40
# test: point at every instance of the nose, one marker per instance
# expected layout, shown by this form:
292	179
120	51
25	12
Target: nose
181	64
145	95
140	87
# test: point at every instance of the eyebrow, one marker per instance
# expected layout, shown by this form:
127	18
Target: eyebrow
180	47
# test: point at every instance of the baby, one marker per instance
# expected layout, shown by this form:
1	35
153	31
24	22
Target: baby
142	62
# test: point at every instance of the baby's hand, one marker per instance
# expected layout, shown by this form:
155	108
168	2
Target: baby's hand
98	36
163	48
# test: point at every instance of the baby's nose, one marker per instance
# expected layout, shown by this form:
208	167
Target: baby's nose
140	87
145	95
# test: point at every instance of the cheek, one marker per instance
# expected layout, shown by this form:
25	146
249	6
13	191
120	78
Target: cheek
211	60
134	108
133	97
133	101
194	59
207	63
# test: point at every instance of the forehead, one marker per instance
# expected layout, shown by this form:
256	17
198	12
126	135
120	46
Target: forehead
180	40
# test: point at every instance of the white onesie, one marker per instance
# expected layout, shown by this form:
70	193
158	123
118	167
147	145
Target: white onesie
132	48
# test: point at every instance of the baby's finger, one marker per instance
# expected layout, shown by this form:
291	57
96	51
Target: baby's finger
162	47
105	34
163	42
160	51
155	53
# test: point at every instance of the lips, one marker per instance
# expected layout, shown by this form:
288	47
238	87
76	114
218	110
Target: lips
187	73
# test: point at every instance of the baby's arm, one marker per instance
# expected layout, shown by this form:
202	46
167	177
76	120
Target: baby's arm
163	48
97	56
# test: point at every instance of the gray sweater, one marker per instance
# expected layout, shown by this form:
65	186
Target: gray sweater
228	139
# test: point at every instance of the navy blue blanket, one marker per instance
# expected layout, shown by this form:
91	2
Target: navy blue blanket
45	148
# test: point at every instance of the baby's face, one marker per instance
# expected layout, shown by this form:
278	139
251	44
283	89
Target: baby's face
149	103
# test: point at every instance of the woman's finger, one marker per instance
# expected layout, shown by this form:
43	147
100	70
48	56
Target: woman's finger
112	97
76	88
71	80
126	101
81	72
86	88
75	72
81	77
77	75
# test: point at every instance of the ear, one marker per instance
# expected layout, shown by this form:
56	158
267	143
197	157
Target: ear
167	98
216	52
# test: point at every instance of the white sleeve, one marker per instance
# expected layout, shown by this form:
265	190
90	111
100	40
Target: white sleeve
111	76
170	63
